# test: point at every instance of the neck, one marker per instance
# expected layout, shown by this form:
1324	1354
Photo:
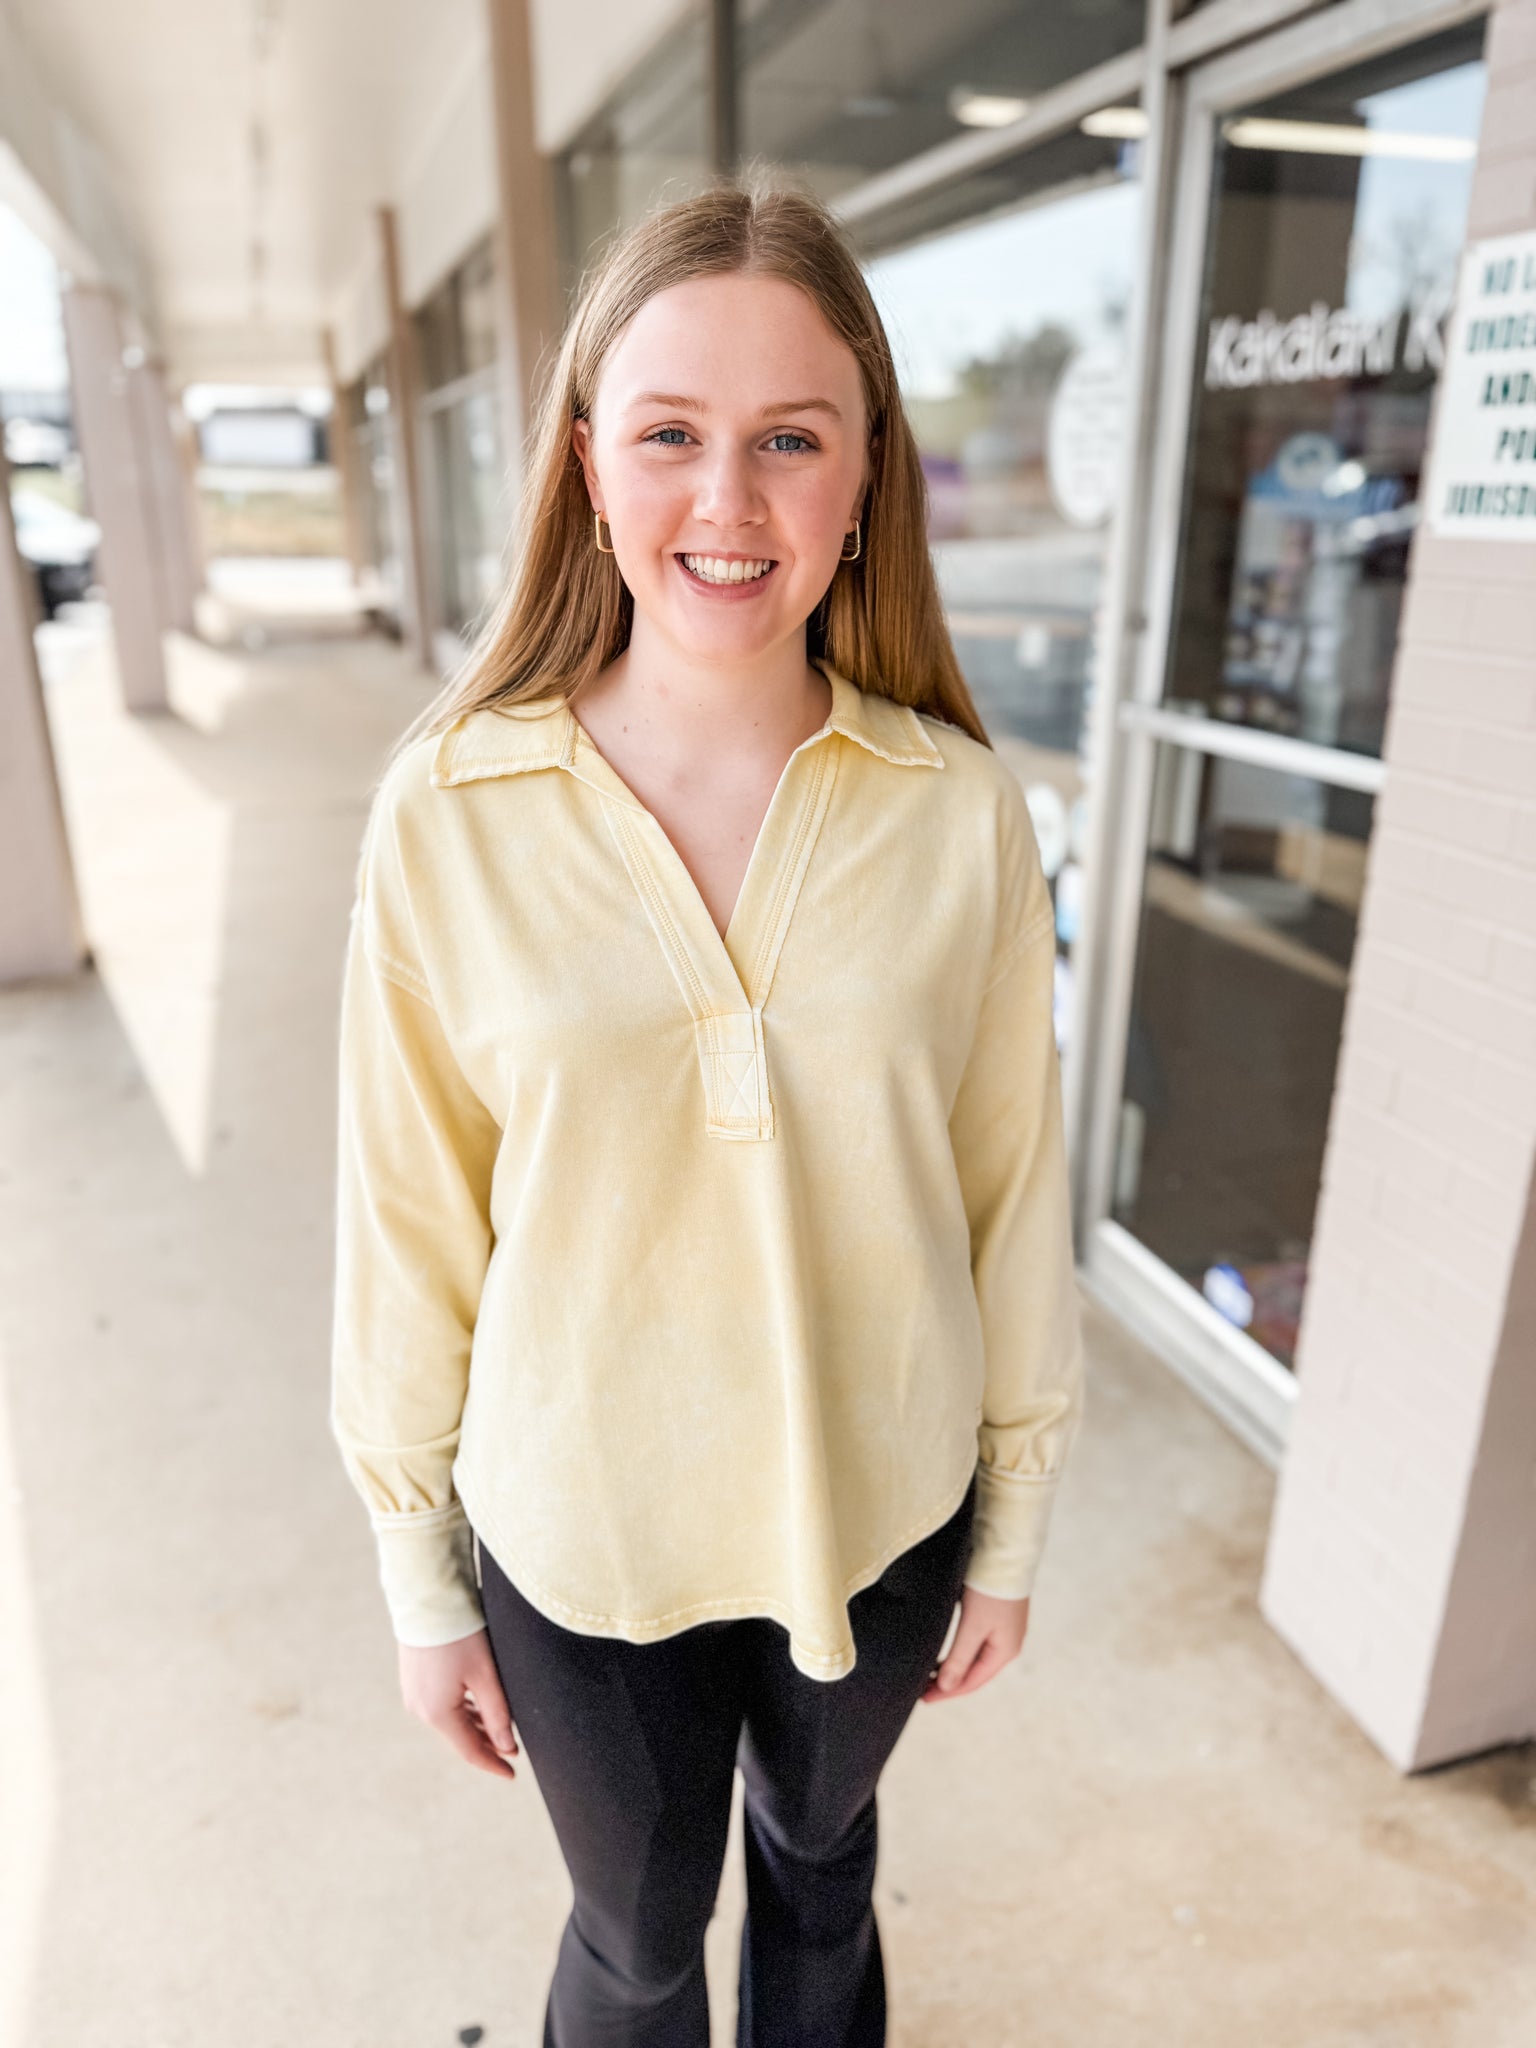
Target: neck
691	708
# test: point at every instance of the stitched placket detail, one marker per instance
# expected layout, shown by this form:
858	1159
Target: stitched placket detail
728	1018
735	1069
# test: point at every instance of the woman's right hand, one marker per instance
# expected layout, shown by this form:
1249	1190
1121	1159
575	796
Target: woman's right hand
456	1690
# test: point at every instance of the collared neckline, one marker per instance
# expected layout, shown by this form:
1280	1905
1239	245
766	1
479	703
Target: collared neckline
511	739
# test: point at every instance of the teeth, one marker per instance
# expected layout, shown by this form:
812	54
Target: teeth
713	569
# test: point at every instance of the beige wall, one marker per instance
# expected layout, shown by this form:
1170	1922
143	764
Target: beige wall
448	196
445	201
583	49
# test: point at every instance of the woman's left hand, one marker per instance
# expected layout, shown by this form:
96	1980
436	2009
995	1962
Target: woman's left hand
990	1635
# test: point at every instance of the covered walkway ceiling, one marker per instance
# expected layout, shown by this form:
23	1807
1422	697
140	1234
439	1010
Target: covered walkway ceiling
247	143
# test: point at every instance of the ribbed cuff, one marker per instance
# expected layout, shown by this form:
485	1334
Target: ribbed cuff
1008	1532
427	1570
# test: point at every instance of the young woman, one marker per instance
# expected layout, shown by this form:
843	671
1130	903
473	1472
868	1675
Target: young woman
705	1320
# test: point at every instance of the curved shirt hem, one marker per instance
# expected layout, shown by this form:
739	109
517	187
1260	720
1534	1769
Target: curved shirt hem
824	1665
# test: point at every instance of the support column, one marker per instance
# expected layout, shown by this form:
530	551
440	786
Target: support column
178	579
530	313
189	457
40	929
1402	1557
724	147
404	392
343	444
121	501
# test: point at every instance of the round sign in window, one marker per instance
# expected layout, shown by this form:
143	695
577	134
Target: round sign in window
1086	436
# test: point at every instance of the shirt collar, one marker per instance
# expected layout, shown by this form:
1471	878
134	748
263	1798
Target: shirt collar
506	739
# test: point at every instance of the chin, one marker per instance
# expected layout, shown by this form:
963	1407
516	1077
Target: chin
731	637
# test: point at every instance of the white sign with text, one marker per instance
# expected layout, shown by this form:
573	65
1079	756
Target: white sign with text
1482	468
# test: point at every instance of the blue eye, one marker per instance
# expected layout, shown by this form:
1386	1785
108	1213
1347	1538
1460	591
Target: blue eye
788	436
667	430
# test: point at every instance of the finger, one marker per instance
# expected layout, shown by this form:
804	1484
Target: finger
984	1667
491	1710
468	1738
501	1744
970	1638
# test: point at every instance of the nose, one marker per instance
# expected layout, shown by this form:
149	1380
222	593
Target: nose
727	493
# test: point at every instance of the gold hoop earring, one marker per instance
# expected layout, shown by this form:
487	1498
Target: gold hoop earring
597	528
858	542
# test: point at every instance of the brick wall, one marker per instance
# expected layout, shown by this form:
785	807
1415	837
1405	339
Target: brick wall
1403	1549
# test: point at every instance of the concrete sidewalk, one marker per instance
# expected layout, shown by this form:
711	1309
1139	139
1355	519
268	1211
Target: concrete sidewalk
222	1828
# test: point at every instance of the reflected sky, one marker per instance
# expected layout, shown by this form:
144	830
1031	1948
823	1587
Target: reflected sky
961	295
1407	209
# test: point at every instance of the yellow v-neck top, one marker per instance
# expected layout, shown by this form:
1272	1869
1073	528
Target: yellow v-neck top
697	1276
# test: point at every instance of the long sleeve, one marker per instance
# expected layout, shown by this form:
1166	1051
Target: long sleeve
416	1153
1007	1131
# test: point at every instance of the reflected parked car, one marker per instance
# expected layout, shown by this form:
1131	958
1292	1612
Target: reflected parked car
59	544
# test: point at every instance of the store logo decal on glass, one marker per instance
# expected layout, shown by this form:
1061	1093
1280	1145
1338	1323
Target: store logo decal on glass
1326	342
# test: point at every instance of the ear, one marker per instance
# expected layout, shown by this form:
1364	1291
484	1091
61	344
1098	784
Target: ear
864	488
581	443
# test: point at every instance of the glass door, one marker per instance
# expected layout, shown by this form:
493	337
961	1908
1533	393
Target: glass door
1321	213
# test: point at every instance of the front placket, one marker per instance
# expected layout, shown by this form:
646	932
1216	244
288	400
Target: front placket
726	1005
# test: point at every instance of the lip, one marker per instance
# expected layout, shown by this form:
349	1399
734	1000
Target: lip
730	593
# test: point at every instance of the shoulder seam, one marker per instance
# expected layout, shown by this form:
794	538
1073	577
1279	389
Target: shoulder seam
394	970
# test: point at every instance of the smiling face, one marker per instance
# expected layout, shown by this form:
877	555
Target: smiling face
727	452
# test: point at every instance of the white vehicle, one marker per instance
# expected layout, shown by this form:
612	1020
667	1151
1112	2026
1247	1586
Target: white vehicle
35	444
59	544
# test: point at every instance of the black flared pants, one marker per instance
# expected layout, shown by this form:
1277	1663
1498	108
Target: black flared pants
635	1747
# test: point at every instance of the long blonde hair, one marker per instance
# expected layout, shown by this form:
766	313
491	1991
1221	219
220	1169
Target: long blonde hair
565	612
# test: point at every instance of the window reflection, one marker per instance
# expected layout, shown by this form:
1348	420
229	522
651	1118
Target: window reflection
842	89
1252	895
1335	236
1009	340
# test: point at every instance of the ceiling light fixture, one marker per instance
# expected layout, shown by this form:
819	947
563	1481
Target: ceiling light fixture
1116	124
1331	138
985	109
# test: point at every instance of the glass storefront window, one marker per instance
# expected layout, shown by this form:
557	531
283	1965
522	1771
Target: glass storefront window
1009	340
456	337
1248	919
649	143
466	447
841	89
1336	229
456	327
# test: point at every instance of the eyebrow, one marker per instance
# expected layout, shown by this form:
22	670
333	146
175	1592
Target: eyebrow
677	402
